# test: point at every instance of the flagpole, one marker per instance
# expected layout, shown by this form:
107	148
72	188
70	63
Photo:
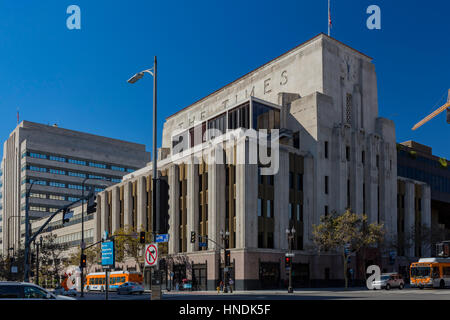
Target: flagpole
329	18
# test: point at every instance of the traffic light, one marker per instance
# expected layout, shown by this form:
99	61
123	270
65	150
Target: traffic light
91	203
142	237
162	264
288	262
163	205
192	236
83	261
67	215
448	115
227	258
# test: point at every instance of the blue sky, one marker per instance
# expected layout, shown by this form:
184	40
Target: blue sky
77	78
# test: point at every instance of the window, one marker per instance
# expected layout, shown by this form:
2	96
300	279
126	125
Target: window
299	182
56	171
349	111
259	207
37	169
75	161
326	184
57	184
347	153
9	292
378	161
326	211
97	165
265	117
291	213
76	174
363	157
299	212
296	140
326	150
37	155
116	168
239	117
56	197
56	158
270	180
269	208
75	186
291	180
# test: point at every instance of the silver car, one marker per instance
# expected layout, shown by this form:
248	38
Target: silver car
388	281
130	288
11	290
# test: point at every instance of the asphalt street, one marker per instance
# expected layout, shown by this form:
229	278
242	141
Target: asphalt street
301	294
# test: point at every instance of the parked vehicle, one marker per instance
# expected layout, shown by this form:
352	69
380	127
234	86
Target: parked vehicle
130	288
62	291
389	280
12	290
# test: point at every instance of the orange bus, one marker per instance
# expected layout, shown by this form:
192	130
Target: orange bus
96	281
430	272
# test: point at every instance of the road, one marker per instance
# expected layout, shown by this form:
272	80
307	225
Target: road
301	294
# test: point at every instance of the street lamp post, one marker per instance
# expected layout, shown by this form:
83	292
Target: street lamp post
155	202
27	232
290	235
224	237
38	247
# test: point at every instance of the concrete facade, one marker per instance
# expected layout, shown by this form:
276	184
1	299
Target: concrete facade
60	159
335	152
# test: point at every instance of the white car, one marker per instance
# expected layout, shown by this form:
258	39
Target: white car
11	290
61	291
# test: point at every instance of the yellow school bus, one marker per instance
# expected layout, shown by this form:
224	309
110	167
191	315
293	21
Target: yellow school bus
430	272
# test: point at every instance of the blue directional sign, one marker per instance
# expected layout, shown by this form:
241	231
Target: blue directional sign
108	253
162	238
202	244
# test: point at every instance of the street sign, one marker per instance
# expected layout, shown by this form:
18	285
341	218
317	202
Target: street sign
151	255
108	254
202	244
162	237
289	255
13	269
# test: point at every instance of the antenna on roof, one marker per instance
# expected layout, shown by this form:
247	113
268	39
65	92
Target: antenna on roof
18	116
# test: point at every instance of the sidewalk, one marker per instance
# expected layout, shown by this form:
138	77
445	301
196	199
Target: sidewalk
268	292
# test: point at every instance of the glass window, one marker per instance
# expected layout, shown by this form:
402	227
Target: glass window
299	182
75	161
259	207
265	117
56	158
34	293
116	168
9	292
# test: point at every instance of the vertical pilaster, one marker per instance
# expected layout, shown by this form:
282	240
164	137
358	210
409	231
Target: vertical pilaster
409	218
281	199
127	204
115	203
192	203
174	209
426	217
141	204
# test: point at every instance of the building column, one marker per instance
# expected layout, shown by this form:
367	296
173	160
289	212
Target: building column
127	204
174	209
310	213
409	218
192	204
216	203
98	216
281	199
426	217
141	204
103	220
115	205
246	197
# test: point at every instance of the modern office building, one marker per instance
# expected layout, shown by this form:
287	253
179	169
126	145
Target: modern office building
319	103
424	190
51	164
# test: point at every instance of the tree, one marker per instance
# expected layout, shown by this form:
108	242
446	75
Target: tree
346	233
51	256
128	246
93	256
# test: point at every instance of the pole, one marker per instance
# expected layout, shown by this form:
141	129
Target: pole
27	234
290	290
107	283
82	240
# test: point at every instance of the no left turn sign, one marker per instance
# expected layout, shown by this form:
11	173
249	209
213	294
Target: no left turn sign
151	255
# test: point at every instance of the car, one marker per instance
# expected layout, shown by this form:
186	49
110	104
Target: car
130	288
62	291
13	290
389	280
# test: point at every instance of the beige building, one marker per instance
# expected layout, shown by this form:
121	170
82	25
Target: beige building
56	161
334	152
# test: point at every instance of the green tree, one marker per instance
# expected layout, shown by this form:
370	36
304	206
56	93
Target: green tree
128	246
346	231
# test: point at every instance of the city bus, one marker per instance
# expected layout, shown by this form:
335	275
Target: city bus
430	272
96	281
